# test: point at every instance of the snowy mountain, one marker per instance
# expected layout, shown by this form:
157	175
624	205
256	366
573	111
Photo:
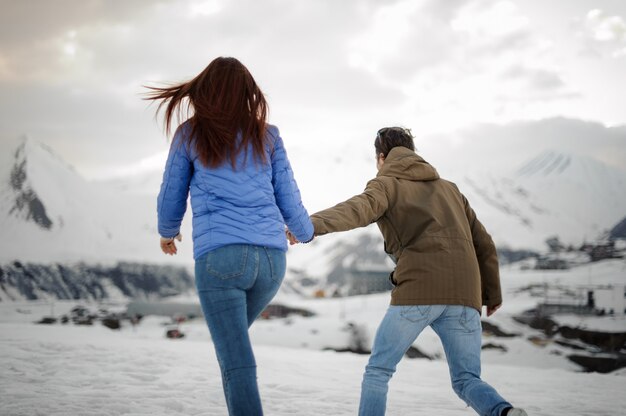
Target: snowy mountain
48	282
51	214
619	231
553	194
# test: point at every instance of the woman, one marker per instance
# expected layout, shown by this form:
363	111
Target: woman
446	269
243	193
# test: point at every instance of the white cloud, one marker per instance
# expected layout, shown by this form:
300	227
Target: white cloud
326	66
541	79
204	8
499	20
605	28
383	38
145	165
468	61
606	34
508	145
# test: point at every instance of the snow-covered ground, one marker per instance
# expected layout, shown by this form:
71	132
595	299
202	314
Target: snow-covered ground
76	370
68	370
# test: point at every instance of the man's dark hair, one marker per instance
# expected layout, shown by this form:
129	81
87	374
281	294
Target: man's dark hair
389	137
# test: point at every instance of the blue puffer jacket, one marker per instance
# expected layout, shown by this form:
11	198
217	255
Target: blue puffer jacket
248	205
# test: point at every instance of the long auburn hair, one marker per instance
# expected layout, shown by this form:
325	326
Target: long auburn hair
221	102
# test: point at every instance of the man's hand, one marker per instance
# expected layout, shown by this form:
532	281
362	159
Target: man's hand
168	246
492	309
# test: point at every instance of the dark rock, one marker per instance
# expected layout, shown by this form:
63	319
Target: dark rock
29	202
491	346
358	351
610	344
414	352
570	345
111	323
358	340
18	175
545	324
494	330
599	364
607	341
174	334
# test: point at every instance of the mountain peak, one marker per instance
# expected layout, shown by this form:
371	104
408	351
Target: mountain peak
554	163
549	162
27	203
33	171
27	148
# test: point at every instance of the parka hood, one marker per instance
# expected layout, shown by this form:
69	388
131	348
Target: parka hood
403	163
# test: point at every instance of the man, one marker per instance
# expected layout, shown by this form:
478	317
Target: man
446	269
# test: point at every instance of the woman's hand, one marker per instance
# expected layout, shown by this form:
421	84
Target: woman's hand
169	246
292	238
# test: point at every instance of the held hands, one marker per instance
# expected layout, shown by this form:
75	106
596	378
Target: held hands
168	246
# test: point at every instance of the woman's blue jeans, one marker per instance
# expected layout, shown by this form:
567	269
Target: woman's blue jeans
235	283
459	329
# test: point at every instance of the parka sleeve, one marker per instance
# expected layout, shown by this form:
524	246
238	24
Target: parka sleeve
359	211
287	193
487	258
172	199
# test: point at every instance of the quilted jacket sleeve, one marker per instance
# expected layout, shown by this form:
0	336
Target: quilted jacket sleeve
287	193
172	199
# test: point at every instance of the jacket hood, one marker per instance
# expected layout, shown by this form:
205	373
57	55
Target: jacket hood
403	163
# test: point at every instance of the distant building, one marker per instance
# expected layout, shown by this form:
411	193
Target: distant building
276	310
159	308
603	251
587	300
610	300
551	263
368	278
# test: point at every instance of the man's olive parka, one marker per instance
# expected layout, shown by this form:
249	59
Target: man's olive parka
443	253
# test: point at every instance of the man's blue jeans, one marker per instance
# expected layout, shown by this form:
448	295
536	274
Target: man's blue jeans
235	283
459	329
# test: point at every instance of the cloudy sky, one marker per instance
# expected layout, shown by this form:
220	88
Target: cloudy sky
71	71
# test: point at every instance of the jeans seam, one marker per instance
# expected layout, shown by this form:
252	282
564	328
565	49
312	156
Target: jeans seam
271	263
465	322
257	268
